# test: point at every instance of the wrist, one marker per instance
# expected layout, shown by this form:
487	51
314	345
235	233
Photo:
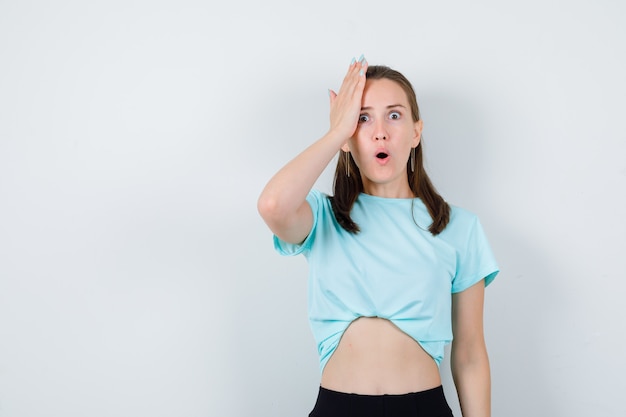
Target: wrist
337	137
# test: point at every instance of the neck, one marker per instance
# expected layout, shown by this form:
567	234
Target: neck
391	190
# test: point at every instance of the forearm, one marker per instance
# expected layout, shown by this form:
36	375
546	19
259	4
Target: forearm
472	378
288	188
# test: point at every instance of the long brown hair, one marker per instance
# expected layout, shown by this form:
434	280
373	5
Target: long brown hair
346	189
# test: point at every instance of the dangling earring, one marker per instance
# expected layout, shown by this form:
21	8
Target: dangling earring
347	154
412	159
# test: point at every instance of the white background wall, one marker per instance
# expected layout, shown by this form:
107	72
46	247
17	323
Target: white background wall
136	278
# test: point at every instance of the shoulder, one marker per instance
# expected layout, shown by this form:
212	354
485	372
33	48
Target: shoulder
462	222
461	215
476	260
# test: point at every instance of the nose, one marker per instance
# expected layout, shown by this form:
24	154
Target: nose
380	133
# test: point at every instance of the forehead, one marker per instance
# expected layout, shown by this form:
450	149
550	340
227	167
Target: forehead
382	93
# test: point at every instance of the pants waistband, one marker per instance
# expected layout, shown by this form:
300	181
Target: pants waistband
431	402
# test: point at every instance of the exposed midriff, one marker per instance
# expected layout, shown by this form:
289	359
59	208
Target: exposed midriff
375	357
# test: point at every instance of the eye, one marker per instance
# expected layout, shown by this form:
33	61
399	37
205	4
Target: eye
363	118
394	115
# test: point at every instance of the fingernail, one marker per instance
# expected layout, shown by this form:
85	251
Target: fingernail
364	63
361	58
353	61
361	73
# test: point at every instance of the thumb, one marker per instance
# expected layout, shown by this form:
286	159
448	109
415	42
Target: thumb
332	95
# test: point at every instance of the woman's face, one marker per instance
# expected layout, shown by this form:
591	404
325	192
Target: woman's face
382	142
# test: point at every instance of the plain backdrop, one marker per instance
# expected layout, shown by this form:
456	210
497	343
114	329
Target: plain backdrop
136	277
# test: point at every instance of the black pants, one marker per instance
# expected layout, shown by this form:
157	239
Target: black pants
429	403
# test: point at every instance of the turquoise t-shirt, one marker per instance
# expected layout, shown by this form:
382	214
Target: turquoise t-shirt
394	268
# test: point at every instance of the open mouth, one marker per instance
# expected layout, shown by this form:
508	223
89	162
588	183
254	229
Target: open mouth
381	155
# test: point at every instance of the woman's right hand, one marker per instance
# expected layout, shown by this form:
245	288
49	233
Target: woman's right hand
345	106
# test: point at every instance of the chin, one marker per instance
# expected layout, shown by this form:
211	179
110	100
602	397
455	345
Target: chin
382	176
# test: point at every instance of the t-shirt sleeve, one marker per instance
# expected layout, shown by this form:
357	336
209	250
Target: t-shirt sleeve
314	198
476	260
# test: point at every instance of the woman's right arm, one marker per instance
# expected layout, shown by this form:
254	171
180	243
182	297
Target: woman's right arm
282	204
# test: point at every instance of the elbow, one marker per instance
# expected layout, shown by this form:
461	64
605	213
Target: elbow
291	224
265	206
269	209
468	357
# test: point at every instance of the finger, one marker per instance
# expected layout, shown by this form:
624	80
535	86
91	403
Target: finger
351	79
355	83
359	69
352	69
362	66
362	77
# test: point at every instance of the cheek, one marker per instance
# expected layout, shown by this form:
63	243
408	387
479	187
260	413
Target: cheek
357	150
361	131
358	140
404	132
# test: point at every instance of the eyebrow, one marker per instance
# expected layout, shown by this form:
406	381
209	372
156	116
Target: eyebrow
388	107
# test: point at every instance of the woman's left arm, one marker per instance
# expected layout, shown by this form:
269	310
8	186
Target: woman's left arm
468	360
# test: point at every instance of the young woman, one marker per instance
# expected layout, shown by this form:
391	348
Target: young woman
395	272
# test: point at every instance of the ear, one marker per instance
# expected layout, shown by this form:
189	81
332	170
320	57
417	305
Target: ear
417	130
346	147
